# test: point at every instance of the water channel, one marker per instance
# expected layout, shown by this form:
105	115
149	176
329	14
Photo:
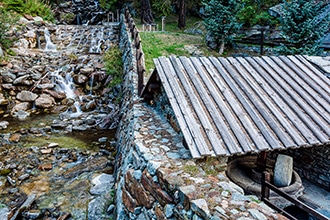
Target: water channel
57	125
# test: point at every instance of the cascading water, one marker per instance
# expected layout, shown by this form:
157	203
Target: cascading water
66	85
49	45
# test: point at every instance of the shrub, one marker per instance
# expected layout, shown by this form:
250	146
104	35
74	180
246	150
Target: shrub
6	20
114	65
31	7
303	27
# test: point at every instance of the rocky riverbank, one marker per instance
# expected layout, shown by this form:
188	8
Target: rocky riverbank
58	119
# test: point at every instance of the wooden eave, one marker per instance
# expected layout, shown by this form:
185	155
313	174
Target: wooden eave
228	106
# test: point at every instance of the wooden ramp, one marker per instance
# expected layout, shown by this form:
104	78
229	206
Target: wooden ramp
227	106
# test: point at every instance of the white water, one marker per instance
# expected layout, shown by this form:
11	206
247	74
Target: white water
66	85
49	45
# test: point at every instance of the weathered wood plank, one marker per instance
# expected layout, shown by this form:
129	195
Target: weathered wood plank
319	78
220	94
227	143
194	100
312	78
223	68
293	91
179	115
281	89
252	81
305	91
196	130
266	119
293	125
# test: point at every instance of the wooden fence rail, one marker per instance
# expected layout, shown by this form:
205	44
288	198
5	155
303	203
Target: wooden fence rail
266	186
139	52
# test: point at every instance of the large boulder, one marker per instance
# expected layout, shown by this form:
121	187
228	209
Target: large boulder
26	96
44	101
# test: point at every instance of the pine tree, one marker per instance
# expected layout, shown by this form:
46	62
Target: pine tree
302	27
220	20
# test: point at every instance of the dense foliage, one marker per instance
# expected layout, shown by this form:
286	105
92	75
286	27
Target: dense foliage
224	25
113	64
6	20
303	26
256	13
30	7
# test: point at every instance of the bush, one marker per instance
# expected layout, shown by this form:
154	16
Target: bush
256	13
302	27
114	65
31	7
6	20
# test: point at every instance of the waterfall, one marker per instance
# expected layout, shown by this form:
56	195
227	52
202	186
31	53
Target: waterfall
66	85
49	45
91	84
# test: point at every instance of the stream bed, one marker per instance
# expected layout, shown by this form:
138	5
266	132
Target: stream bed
58	123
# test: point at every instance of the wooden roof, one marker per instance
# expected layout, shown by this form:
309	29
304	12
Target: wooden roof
227	106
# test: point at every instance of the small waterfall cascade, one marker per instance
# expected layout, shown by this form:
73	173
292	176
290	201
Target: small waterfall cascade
50	47
91	82
97	38
66	85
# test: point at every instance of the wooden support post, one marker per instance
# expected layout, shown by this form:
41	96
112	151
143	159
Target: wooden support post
262	41
264	189
261	161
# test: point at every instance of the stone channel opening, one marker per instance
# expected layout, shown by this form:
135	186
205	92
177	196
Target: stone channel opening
244	172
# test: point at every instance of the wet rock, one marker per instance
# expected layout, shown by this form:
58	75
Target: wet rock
26	96
4	124
8	77
24	177
52	145
23	80
8	86
15	137
80	79
4	212
21	107
44	101
45	167
13	190
102	184
46	151
3	100
55	94
21	114
89	165
11	181
31	214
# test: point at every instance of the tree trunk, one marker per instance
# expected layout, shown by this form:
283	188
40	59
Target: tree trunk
182	14
146	14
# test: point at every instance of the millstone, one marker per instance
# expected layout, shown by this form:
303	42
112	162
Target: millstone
283	170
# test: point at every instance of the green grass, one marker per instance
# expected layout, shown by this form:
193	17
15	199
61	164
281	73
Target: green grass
172	41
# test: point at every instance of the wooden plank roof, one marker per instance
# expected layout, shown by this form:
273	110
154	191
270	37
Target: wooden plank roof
227	106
